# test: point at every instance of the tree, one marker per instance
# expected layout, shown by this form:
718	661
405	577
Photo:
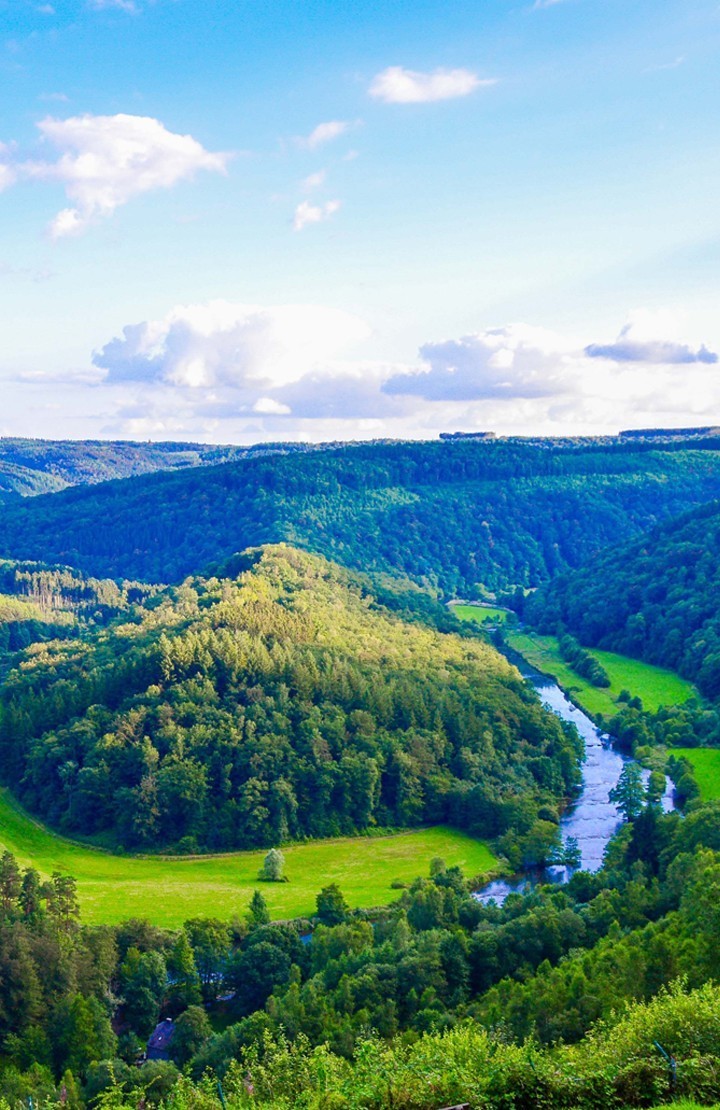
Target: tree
192	1029
10	881
273	868
143	979
332	909
210	940
629	793
184	987
258	913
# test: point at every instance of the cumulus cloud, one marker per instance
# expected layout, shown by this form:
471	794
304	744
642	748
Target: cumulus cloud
307	213
652	338
396	85
223	344
105	161
325	133
513	361
291	371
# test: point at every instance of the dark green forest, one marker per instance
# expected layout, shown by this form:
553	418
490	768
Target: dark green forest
459	516
34	466
283	703
655	598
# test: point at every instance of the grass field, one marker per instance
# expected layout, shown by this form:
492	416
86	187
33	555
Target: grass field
169	891
653	685
480	613
706	768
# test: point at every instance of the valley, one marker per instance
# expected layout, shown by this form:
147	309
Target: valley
472	866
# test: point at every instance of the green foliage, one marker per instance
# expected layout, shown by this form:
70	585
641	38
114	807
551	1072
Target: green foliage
704	765
452	515
258	914
273	868
332	909
582	661
629	792
282	704
654	598
32	466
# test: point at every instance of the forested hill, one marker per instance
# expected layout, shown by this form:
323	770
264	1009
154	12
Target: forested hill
33	466
39	602
283	703
656	598
450	514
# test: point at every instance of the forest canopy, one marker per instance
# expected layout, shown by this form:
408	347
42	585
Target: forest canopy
458	516
282	703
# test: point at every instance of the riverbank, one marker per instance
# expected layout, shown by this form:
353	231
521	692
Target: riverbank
655	686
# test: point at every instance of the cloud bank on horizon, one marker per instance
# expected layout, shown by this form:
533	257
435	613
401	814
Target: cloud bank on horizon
219	363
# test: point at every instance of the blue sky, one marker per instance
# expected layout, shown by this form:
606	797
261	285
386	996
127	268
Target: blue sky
253	220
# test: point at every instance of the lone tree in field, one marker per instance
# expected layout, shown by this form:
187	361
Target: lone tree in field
273	868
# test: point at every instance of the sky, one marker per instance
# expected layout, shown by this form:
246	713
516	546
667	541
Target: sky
243	220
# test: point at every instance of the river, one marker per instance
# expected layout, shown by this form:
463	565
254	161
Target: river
592	818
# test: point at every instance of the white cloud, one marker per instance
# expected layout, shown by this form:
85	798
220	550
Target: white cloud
232	371
242	346
396	85
105	161
325	133
314	180
7	175
513	361
269	407
656	338
307	213
122	5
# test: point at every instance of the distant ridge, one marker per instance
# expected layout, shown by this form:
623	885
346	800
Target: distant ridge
670	433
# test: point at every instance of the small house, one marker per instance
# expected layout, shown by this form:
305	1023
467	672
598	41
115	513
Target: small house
158	1046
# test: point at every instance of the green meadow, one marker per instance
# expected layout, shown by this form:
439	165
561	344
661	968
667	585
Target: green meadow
706	768
480	613
655	686
169	891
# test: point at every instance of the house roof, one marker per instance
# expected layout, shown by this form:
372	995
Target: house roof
162	1034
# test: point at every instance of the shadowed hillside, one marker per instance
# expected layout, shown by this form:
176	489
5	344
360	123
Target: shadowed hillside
449	515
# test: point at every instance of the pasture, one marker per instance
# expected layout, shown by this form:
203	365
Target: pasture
481	614
169	891
706	769
655	686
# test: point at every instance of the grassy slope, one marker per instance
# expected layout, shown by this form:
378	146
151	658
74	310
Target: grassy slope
654	685
706	765
169	891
